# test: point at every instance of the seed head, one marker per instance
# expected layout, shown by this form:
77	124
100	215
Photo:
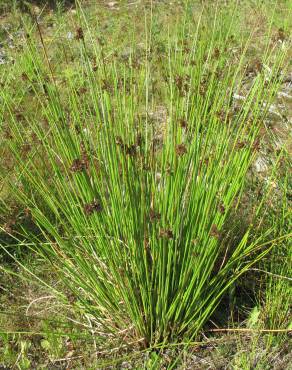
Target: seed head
128	149
257	145
79	34
166	234
183	123
216	53
214	231
92	207
24	76
154	216
240	145
79	165
221	207
181	150
25	149
281	34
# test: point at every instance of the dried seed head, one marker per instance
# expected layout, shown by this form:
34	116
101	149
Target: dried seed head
166	234
181	83
257	144
25	149
19	115
221	207
130	149
7	133
216	53
79	34
240	145
214	231
183	123
119	140
205	162
35	138
84	155
82	163
107	86
85	161
24	76
258	65
180	150
78	165
281	34
154	216
71	298
92	207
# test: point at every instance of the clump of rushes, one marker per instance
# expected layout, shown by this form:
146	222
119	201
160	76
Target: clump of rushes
142	235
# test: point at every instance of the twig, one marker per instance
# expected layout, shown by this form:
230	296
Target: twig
270	273
67	359
36	300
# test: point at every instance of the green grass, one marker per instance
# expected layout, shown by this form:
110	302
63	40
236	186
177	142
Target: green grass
133	164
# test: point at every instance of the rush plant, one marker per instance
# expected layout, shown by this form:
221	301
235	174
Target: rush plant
133	171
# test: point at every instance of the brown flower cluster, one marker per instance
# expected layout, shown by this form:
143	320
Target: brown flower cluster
257	144
166	234
221	208
214	231
129	149
281	35
82	163
181	150
25	149
183	123
216	53
90	208
240	145
79	34
182	84
154	215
